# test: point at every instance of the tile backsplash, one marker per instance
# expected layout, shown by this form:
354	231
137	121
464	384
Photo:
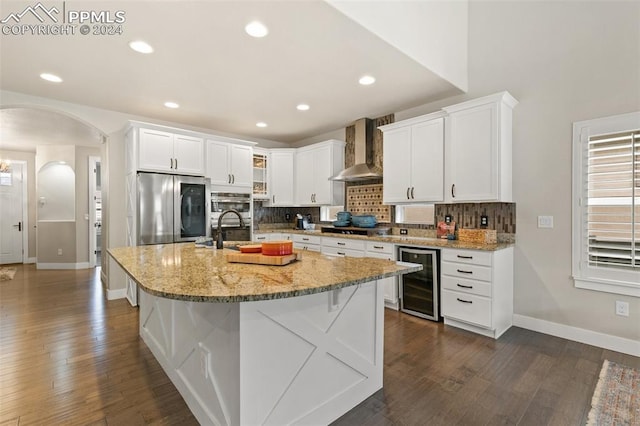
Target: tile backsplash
502	216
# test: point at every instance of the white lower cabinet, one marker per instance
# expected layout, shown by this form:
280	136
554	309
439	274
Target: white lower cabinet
306	242
380	250
477	290
271	236
343	247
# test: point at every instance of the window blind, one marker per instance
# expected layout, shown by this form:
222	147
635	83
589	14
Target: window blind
613	207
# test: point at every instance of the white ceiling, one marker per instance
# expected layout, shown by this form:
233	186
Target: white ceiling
223	79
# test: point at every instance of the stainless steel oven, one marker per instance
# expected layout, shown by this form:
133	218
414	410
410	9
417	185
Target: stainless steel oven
420	291
230	225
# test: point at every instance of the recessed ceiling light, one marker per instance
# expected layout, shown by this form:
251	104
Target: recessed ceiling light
261	124
50	77
366	80
303	107
171	105
256	29
141	46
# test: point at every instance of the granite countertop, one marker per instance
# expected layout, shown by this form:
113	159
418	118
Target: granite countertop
399	240
182	271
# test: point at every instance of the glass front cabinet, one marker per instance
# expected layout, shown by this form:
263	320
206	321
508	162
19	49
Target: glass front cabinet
260	163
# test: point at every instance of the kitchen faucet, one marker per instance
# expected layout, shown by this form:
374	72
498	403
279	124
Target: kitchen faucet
219	242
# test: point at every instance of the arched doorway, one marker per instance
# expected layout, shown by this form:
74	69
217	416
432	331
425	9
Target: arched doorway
52	141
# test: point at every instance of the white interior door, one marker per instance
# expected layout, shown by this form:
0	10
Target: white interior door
95	213
11	225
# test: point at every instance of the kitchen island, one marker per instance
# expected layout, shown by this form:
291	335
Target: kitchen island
254	344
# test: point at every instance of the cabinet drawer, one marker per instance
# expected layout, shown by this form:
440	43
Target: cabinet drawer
308	247
377	247
468	256
343	243
461	270
463	285
306	239
466	307
335	251
388	256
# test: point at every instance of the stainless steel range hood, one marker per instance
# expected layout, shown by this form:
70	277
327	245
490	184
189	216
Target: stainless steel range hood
362	170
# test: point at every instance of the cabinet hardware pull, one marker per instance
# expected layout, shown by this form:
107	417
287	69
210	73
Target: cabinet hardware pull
233	178
464	272
176	164
464	301
274	199
464	286
453	188
464	257
171	160
341	244
228	178
341	253
378	247
264	238
408	193
412	197
305	239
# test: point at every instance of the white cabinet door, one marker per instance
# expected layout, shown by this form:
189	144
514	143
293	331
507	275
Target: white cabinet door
413	162
155	150
322	171
478	149
281	178
218	163
473	158
241	162
427	161
188	155
305	178
396	164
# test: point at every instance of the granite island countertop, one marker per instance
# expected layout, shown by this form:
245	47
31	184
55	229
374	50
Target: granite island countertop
183	272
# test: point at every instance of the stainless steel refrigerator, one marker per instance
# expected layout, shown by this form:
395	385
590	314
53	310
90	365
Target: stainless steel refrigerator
171	208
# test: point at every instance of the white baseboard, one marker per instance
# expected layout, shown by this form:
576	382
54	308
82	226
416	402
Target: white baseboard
120	293
594	338
79	265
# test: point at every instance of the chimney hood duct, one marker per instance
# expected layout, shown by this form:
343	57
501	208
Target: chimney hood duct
362	170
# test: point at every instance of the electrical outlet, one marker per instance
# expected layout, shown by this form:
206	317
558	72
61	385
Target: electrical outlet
287	217
404	231
448	218
484	220
622	308
545	221
59	252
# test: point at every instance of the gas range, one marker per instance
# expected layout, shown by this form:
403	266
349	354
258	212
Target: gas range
351	230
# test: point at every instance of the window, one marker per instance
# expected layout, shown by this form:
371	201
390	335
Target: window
606	204
328	213
415	213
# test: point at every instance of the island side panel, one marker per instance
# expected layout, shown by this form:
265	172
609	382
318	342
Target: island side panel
198	346
310	359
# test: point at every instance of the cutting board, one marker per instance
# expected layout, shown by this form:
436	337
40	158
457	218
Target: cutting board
261	259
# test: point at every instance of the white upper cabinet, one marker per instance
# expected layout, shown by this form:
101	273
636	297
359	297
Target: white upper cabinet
413	160
230	164
478	149
169	152
315	164
280	172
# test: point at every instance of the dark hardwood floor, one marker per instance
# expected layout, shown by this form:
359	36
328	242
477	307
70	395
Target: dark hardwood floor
68	356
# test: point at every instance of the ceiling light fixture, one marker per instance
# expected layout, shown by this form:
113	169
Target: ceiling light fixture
141	46
50	77
303	107
261	124
366	80
171	105
256	29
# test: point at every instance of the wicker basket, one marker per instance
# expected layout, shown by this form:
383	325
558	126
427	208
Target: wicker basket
480	236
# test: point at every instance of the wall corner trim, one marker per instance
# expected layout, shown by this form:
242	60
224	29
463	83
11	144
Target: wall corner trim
120	293
594	338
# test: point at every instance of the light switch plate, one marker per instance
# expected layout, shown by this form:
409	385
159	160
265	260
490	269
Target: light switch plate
545	221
